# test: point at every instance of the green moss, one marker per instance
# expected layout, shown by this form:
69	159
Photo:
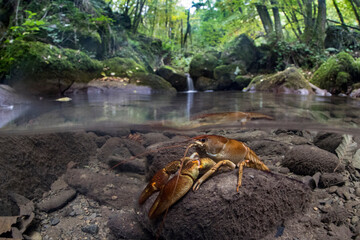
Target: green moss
203	65
122	67
242	81
156	82
37	65
290	78
337	73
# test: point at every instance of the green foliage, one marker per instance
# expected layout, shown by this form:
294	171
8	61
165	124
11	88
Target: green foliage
297	53
29	28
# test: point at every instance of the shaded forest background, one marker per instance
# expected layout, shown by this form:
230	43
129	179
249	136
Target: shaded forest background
89	37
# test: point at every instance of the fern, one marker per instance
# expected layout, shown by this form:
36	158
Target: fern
346	149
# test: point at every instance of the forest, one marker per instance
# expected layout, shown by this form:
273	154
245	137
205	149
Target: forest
47	46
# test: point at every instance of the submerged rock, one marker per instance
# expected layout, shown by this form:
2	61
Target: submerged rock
217	211
36	161
308	160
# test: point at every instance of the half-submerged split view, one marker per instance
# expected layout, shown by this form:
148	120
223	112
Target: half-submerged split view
160	119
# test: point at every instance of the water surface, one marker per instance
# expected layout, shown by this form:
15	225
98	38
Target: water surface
116	109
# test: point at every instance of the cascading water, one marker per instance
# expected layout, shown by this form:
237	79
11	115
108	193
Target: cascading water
190	84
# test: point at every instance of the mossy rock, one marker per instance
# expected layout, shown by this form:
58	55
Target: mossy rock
157	83
242	49
204	83
203	65
165	72
226	74
177	79
242	82
337	73
287	81
122	67
43	69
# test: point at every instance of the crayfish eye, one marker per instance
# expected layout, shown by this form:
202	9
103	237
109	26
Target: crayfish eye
203	140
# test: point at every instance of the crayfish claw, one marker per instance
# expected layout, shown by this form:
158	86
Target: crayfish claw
176	188
159	180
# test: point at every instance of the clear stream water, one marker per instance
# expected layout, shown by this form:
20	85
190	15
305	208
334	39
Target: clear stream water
115	109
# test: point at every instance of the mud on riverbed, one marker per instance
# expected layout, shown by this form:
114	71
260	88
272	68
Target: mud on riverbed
67	179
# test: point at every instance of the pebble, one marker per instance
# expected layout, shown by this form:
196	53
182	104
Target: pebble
284	170
354	220
54	221
357	192
92	229
332	189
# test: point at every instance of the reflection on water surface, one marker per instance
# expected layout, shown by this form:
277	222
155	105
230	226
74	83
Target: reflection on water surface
114	109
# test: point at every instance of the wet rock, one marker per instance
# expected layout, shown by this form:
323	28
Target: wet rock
328	141
205	83
331	179
99	140
39	159
267	147
284	170
54	221
92	229
316	178
332	189
309	181
308	160
56	201
117	191
357	192
339	232
126	226
116	151
252	213
336	215
152	138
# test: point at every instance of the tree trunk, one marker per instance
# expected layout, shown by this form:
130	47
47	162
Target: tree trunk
320	25
188	29
265	18
181	34
308	21
277	20
339	12
356	11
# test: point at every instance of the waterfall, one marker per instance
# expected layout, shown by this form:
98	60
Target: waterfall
190	84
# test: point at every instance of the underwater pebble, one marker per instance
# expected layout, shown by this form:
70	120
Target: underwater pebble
54	221
332	189
92	229
357	192
354	220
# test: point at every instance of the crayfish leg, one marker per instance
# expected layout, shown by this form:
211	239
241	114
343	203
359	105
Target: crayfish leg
207	162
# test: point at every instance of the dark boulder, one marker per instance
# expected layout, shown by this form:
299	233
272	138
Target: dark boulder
241	49
308	160
217	211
